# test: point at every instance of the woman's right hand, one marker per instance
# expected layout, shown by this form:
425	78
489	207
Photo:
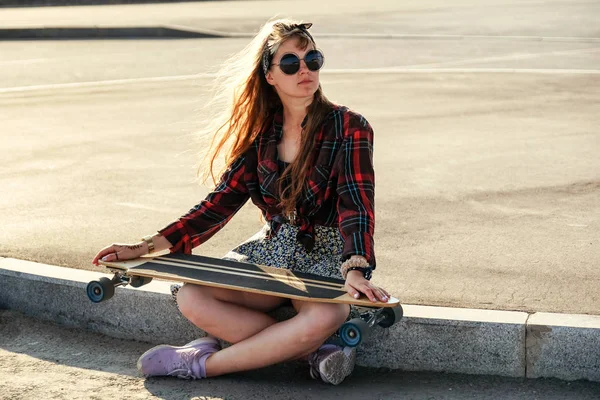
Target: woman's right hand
121	252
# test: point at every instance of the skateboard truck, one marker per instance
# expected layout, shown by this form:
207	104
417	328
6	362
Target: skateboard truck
358	329
104	288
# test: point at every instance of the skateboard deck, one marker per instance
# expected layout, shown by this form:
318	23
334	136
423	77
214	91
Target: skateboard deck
242	276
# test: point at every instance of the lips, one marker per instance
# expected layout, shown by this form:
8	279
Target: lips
304	81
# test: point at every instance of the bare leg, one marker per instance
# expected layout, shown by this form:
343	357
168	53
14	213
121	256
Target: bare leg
281	341
258	340
229	315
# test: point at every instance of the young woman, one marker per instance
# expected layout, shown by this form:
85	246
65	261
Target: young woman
307	164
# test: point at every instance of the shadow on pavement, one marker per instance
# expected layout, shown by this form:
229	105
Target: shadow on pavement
60	3
292	382
97	33
68	346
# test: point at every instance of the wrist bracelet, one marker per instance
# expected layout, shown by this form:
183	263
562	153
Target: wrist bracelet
354	262
148	239
366	271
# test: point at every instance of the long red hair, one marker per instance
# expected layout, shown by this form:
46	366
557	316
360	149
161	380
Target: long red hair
249	106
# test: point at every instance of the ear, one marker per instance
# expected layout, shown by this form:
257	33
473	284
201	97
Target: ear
270	79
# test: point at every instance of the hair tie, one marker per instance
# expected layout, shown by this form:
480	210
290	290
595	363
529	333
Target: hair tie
265	60
304	27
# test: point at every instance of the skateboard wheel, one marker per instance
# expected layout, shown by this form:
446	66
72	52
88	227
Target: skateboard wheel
391	316
100	290
139	281
353	332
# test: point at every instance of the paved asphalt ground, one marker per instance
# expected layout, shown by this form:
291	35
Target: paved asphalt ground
486	147
486	117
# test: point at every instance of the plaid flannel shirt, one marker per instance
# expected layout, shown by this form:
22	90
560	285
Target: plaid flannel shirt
339	189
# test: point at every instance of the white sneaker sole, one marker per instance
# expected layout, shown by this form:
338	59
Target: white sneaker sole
336	367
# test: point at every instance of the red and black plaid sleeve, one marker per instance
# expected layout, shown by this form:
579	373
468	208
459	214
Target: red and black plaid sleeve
211	214
356	189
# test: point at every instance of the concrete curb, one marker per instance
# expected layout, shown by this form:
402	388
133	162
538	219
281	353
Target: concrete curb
440	339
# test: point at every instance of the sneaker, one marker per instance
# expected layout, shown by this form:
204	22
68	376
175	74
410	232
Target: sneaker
204	341
332	363
186	362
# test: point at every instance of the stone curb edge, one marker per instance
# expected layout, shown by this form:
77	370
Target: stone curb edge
437	339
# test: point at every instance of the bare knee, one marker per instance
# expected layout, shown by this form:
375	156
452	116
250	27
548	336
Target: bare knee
322	320
189	296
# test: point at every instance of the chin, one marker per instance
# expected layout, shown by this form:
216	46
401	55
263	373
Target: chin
308	91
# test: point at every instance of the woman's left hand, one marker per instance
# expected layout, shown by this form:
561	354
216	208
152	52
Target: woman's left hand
356	284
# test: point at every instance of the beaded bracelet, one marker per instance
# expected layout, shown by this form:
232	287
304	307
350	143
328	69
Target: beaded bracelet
354	262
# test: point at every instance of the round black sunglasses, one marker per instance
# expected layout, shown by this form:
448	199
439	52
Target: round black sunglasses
290	62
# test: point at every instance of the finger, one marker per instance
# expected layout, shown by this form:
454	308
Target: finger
102	253
369	293
381	295
377	291
387	294
352	291
110	257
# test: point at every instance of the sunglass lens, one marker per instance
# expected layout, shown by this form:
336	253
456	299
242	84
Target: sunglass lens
314	60
289	64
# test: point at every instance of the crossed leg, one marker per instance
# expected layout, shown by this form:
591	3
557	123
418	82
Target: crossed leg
258	340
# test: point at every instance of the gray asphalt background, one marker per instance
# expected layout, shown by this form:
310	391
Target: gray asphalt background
486	146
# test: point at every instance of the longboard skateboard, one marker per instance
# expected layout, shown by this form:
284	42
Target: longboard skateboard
252	278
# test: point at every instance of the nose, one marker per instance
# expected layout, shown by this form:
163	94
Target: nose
303	67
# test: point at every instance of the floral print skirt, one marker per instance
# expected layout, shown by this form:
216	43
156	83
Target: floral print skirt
283	250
